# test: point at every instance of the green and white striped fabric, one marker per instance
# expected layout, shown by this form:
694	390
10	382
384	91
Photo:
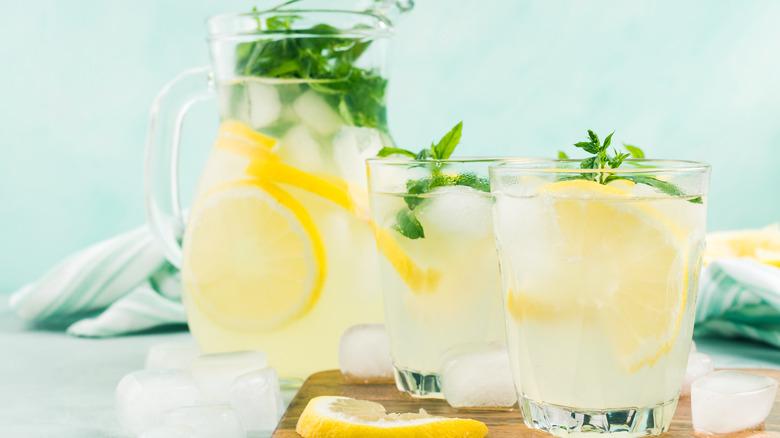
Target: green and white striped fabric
118	286
739	298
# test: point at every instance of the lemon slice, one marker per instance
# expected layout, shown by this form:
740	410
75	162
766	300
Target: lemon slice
620	264
345	195
253	257
243	140
345	417
761	245
265	166
418	280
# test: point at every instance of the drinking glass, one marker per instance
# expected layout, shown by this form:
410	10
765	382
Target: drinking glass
600	269
438	263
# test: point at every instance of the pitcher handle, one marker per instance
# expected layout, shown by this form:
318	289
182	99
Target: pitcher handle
161	181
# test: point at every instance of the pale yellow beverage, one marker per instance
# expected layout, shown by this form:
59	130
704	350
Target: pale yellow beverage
450	300
600	285
279	253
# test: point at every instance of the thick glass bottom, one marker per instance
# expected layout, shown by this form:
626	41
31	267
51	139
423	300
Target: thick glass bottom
417	384
630	422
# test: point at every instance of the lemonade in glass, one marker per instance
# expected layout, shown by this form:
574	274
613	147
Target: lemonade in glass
600	269
438	264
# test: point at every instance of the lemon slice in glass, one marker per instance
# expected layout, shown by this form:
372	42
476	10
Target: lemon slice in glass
253	256
616	262
331	416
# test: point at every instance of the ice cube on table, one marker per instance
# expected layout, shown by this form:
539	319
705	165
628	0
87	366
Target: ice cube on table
264	104
316	113
456	212
699	364
258	400
143	396
169	432
478	376
208	421
171	355
730	401
364	354
215	373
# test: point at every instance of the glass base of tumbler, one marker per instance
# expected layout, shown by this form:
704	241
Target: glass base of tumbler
417	384
562	421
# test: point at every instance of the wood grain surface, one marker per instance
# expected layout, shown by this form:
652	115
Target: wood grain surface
501	423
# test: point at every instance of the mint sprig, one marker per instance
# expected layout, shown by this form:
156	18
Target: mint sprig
406	221
602	159
439	151
320	55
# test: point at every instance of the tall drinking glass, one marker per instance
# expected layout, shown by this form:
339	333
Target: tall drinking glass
438	264
600	269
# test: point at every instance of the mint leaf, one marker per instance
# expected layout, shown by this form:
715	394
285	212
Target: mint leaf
387	151
634	151
663	186
424	154
447	144
591	148
408	225
601	159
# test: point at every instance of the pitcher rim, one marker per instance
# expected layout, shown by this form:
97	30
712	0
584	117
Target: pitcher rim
383	30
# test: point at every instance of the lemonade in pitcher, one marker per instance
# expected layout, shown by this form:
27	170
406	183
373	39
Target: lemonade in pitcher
278	253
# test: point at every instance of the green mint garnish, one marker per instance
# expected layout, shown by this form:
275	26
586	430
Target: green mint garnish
406	221
439	151
602	159
358	95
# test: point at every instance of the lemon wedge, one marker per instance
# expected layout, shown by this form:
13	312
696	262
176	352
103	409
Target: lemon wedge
244	281
761	245
617	262
345	417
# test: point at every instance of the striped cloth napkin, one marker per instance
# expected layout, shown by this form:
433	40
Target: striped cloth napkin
119	286
739	298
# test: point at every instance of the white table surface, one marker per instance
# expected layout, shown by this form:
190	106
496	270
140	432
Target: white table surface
55	385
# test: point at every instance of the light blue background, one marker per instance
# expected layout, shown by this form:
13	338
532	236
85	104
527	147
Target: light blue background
689	80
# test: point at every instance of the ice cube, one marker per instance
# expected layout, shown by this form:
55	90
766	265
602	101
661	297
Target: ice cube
456	212
143	396
264	104
258	400
214	373
364	354
301	150
699	364
730	401
171	355
351	146
207	421
478	376
317	114
169	432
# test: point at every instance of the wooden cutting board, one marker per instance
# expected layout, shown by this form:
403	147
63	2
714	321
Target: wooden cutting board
501	423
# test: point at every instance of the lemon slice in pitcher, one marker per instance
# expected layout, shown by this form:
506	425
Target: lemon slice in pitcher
618	263
253	256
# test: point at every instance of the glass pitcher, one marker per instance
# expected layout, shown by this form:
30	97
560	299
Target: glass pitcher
277	253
